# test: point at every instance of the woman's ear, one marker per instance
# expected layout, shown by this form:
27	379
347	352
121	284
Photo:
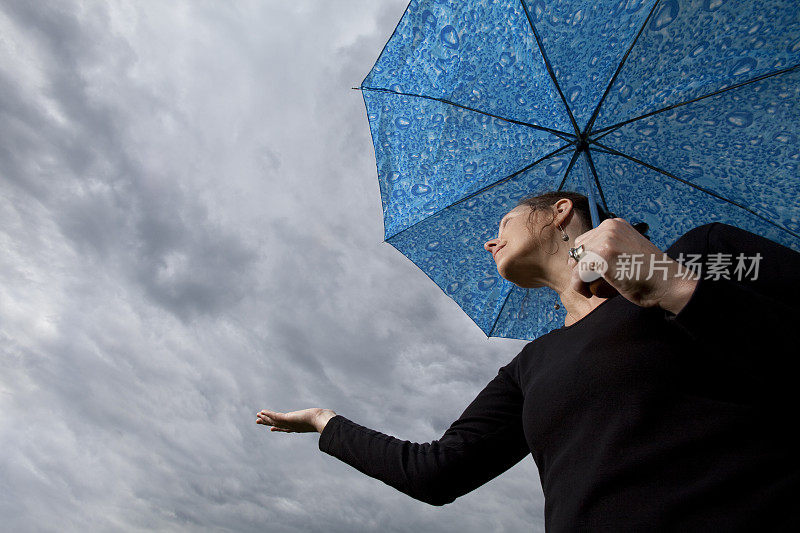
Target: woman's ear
563	210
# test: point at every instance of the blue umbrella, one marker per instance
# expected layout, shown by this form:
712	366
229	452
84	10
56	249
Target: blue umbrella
674	113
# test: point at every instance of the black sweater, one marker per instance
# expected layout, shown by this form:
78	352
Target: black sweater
637	419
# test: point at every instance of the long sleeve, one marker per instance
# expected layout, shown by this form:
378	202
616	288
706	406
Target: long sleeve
776	280
726	302
745	326
485	441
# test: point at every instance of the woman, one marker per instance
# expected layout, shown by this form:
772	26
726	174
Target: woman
669	406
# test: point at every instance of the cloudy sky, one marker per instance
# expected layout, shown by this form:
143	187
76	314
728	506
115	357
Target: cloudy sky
191	231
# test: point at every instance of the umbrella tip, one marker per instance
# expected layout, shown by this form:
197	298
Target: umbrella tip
356	88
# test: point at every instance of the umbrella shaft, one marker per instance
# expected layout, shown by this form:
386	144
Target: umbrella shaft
590	191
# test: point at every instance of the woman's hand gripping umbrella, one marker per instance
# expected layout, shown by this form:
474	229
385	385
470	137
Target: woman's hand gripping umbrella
631	264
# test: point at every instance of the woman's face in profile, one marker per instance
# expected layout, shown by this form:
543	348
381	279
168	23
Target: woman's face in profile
514	249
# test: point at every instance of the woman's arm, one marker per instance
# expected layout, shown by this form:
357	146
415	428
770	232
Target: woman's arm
738	305
485	441
657	279
744	328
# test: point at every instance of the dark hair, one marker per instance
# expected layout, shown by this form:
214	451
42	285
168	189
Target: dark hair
580	206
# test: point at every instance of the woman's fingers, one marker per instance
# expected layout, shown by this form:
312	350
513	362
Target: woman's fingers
633	265
278	421
267	417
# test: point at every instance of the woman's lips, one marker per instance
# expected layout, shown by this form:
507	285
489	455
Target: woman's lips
497	251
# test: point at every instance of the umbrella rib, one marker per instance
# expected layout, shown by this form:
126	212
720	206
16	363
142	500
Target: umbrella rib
695	186
594	172
612	130
619	69
709	95
386	44
569	167
483	189
555	132
497	318
597	181
550	67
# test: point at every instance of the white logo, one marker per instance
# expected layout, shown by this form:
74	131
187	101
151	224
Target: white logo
591	267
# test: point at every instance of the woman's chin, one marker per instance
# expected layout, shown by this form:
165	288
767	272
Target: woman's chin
503	271
527	285
519	279
522	283
509	273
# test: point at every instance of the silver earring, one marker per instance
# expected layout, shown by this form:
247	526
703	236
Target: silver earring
564	236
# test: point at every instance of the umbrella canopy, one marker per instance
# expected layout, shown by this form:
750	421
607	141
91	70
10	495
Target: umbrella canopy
675	113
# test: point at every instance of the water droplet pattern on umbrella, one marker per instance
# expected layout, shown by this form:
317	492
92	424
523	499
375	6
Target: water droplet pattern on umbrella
742	144
663	203
598	34
441	153
483	57
692	48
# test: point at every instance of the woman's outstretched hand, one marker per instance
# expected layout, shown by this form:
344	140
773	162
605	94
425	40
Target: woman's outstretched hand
304	421
636	268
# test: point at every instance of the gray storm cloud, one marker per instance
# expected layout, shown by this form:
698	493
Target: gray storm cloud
190	231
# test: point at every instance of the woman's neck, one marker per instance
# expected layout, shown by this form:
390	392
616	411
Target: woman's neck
559	278
578	306
555	272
